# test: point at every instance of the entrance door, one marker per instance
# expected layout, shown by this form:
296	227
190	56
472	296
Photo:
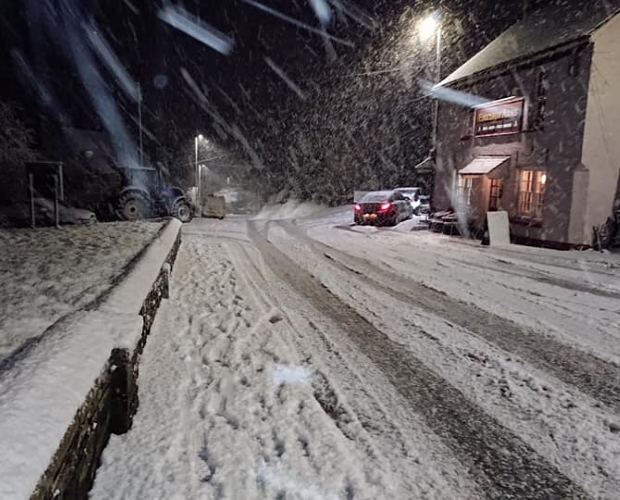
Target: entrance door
495	194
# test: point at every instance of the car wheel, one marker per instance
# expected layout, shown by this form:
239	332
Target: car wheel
391	222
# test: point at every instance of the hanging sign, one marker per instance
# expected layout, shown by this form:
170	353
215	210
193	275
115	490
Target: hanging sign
499	118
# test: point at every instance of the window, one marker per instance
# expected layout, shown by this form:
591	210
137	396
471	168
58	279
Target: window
464	190
541	101
495	194
532	193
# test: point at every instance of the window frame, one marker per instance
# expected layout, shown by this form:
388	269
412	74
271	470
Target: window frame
531	194
496	191
465	186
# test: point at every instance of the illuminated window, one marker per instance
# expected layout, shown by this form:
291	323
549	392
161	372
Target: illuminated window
495	194
532	193
464	191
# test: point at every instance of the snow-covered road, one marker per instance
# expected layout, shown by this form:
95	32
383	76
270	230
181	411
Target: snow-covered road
308	359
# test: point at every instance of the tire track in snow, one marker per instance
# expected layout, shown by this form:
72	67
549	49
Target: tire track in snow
593	376
421	463
569	429
504	466
348	421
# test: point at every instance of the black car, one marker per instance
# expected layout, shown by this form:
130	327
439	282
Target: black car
382	208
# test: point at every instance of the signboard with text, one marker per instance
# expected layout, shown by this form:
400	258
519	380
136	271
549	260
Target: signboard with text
499	118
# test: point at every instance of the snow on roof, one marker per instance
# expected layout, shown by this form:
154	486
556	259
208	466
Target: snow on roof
543	30
377	196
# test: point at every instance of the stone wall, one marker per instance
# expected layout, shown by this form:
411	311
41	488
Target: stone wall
108	408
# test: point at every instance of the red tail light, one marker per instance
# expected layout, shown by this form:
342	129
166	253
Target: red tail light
358	207
385	207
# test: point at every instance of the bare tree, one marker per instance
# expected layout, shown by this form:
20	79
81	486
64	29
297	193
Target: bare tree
15	150
15	138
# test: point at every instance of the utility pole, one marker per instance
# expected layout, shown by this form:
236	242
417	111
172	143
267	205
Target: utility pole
140	124
437	81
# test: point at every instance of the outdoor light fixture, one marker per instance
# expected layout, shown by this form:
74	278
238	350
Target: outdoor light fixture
428	26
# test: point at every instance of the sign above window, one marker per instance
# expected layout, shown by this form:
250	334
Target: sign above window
499	118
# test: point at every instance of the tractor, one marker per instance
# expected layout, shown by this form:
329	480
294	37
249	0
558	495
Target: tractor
147	196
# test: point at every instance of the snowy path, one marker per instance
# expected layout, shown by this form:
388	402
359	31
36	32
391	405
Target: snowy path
289	364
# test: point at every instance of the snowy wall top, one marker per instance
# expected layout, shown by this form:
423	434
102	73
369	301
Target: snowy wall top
41	392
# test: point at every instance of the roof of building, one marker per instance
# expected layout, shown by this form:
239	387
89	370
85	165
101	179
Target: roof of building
544	29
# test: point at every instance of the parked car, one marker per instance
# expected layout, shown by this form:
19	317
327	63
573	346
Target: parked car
18	215
66	215
214	206
413	193
382	208
425	204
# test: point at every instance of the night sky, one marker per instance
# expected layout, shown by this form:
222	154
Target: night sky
361	118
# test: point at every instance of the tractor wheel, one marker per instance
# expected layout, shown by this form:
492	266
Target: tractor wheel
182	211
134	205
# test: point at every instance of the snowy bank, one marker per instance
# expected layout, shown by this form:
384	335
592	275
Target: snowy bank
60	400
48	273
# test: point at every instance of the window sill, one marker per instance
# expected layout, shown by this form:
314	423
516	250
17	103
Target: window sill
521	220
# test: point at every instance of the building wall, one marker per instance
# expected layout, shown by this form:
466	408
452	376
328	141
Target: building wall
555	148
601	144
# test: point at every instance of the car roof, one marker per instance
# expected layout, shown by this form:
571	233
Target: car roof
408	189
377	196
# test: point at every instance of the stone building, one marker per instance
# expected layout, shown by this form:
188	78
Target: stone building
542	139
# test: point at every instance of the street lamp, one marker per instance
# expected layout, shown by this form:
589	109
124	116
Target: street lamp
197	139
427	28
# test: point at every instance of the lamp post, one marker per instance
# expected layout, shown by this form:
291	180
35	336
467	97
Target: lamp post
427	28
140	125
197	139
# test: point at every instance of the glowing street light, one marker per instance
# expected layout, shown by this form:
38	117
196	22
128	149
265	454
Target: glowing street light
428	27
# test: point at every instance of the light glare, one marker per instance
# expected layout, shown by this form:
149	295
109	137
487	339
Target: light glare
427	27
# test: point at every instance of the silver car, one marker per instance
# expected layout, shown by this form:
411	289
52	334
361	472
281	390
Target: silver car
413	194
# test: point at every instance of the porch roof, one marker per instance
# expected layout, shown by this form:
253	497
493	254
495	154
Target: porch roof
484	165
